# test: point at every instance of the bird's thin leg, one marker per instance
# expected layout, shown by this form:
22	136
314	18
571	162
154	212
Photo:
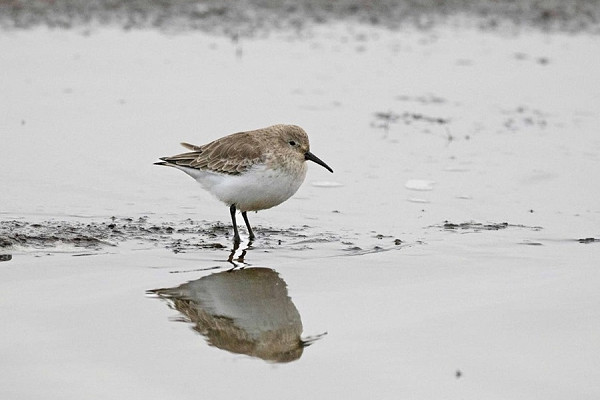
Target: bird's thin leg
236	235
250	233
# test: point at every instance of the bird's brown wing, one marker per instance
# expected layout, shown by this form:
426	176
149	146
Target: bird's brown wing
233	154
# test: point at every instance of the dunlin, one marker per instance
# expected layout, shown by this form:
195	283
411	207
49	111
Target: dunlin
249	171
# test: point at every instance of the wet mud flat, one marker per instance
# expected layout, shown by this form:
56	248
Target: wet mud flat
176	236
256	17
453	254
189	235
455	301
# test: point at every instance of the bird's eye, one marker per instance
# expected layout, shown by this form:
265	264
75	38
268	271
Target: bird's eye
292	143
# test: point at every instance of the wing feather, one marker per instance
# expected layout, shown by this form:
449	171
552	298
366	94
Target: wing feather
233	154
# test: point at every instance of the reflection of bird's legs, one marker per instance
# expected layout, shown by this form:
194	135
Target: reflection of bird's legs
241	257
239	260
250	233
236	246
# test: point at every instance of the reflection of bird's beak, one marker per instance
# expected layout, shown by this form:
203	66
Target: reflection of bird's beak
310	156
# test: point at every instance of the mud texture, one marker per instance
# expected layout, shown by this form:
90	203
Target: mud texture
383	120
177	236
478	226
189	235
252	17
588	240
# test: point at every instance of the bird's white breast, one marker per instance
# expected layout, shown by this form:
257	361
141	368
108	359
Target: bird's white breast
258	188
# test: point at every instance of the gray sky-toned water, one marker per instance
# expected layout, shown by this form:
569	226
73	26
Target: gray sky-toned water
442	258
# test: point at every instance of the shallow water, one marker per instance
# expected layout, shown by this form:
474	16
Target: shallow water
452	254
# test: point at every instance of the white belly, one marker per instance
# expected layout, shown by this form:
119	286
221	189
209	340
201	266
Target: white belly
257	189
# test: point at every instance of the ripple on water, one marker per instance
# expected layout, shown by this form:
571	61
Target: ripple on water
419	185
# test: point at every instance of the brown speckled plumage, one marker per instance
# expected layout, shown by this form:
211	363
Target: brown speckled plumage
249	171
235	153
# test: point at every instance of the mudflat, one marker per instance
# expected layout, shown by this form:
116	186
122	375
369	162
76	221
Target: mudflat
453	253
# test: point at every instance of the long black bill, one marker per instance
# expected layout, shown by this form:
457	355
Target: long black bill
310	156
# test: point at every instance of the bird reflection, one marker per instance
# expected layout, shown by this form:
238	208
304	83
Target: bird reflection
239	260
245	311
